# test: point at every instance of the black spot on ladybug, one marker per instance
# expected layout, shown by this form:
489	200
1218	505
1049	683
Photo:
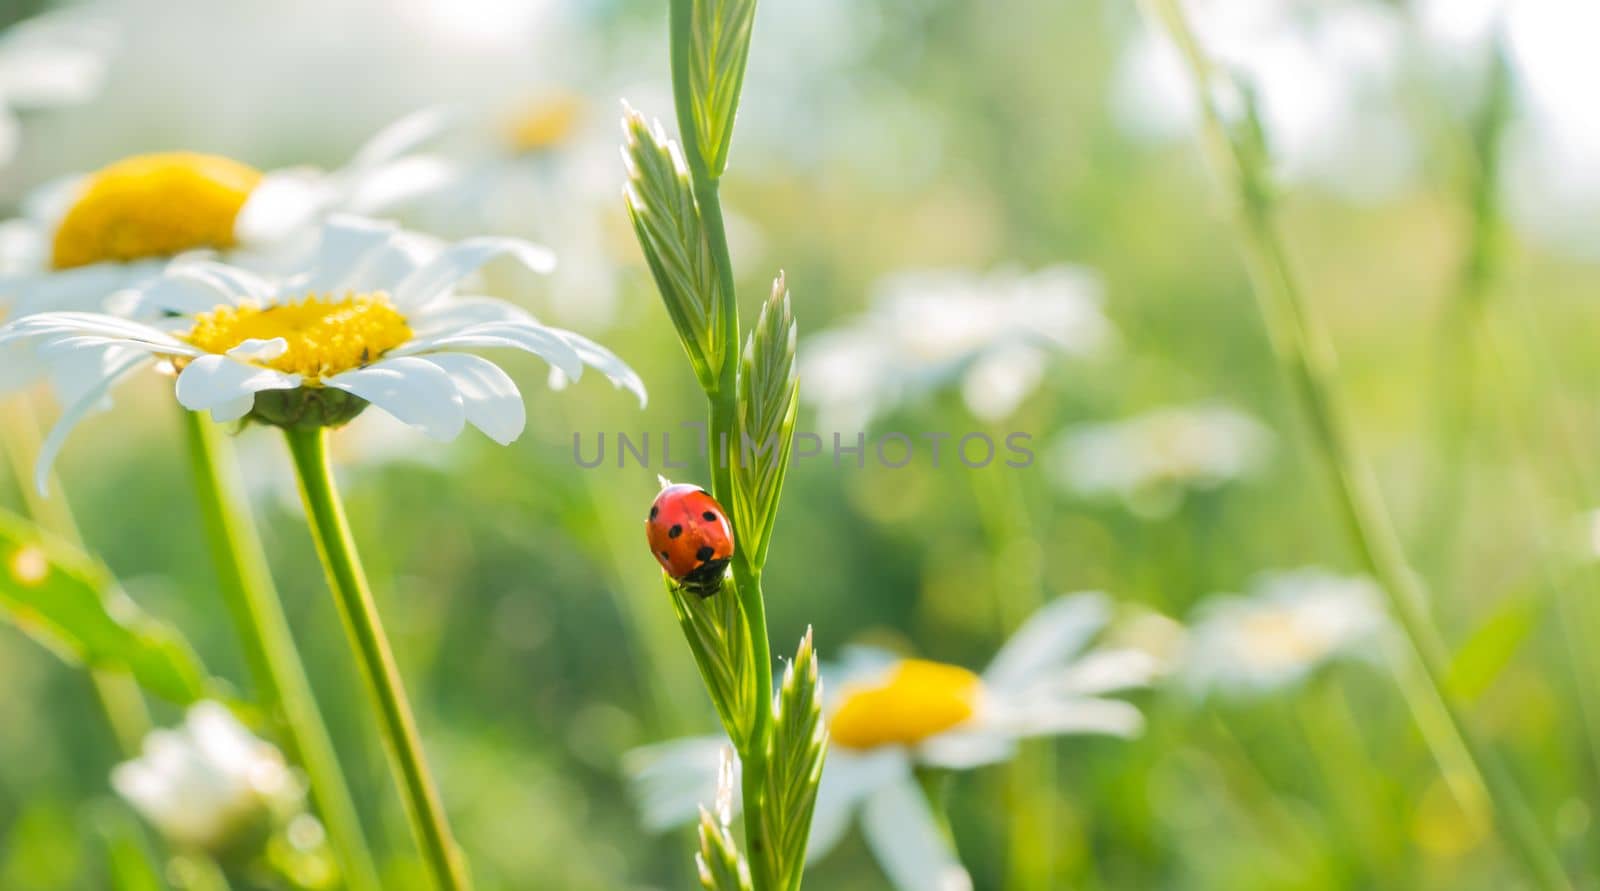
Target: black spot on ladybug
654	510
675	531
709	516
664	556
704	553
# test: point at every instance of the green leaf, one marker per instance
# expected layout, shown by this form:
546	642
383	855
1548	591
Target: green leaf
671	233
68	601
768	401
794	765
719	638
719	46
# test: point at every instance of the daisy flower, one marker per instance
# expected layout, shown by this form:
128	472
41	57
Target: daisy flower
87	237
989	335
374	319
888	715
1291	624
1150	460
204	784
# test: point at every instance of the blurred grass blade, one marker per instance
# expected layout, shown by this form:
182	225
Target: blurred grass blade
1486	654
719	46
66	600
768	401
667	221
719	638
794	765
129	865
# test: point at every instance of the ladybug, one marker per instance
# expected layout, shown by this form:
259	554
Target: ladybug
690	537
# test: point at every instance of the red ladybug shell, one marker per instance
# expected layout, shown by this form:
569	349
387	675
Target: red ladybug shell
690	536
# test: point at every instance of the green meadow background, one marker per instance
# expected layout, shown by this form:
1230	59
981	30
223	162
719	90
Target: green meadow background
879	135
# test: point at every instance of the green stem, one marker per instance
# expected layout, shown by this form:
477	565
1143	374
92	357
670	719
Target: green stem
120	698
1306	353
263	630
1456	380
331	531
724	429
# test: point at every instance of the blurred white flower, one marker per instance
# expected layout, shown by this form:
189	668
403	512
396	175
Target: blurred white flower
1324	75
205	783
1152	459
543	169
887	715
48	61
991	336
85	238
1292	623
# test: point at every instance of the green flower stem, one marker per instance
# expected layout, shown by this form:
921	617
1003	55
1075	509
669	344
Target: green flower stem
331	531
263	630
120	698
1307	355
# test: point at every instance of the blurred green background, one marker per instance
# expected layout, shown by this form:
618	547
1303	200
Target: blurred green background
877	136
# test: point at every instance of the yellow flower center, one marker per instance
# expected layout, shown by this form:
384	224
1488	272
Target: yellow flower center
544	124
154	206
917	699
325	336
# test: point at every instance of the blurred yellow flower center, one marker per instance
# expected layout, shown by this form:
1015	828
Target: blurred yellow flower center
544	124
153	206
324	336
917	699
1279	639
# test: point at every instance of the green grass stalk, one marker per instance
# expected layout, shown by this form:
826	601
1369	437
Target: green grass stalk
1306	353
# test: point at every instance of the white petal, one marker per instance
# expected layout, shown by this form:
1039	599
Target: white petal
910	846
671	781
491	399
74	413
1048	639
212	381
254	349
63	325
415	391
385	188
348	245
233	410
546	343
438	276
1068	716
967	749
400	137
284	202
186	295
607	363
847	778
459	312
1107	671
